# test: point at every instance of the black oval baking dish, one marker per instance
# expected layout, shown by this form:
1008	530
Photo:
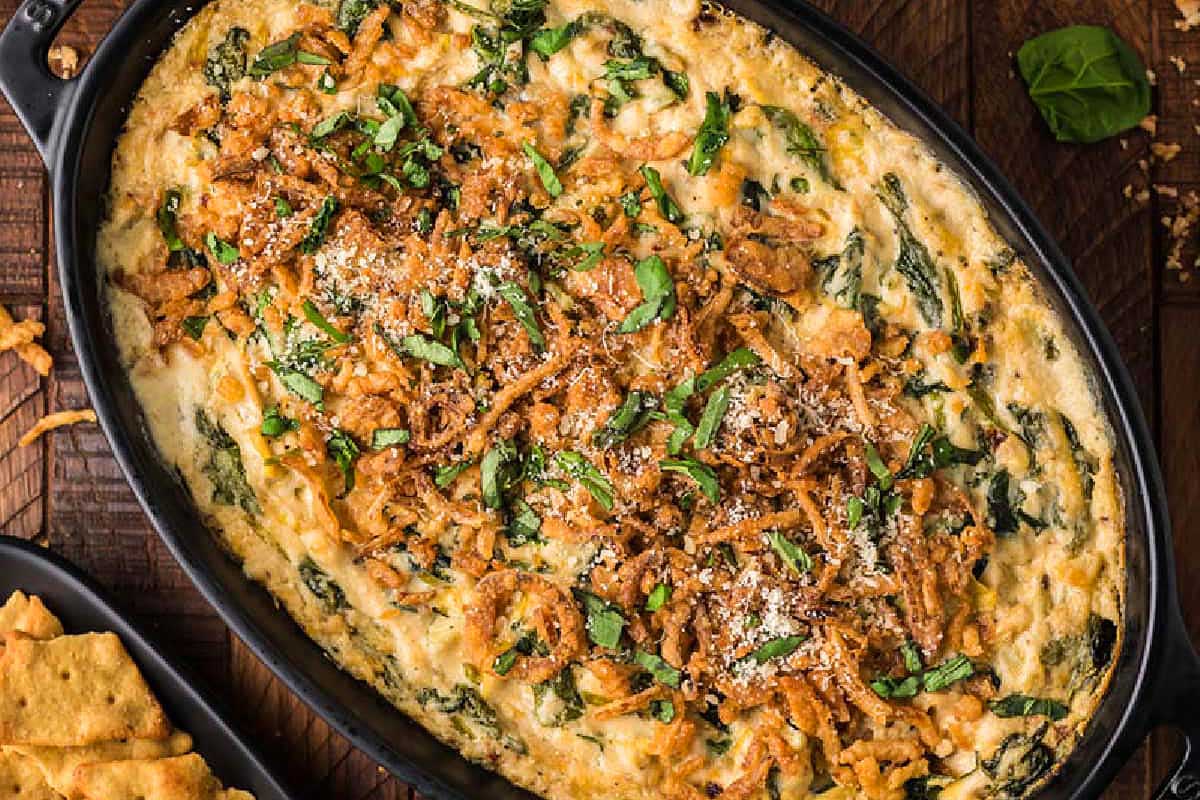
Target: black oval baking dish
81	606
75	124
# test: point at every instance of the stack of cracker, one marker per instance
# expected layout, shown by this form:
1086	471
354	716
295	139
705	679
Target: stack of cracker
77	720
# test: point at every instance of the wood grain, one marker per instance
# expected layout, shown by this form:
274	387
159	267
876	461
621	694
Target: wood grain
68	492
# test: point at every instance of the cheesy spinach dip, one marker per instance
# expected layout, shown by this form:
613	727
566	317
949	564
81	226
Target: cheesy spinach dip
619	395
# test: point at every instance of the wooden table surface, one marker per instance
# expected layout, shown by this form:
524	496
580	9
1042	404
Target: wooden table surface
67	492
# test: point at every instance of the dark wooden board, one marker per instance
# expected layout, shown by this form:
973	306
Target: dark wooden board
67	491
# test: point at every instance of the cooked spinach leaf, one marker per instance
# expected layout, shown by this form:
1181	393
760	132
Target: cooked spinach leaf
351	13
1001	518
802	142
912	257
223	466
226	62
567	705
322	586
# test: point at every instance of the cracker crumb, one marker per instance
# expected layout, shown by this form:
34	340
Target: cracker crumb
63	60
1179	63
1165	151
1190	9
1149	124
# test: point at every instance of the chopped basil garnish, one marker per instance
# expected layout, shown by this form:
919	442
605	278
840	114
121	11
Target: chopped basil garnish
313	315
351	13
635	413
300	384
712	136
328	127
912	658
498	471
604	622
663	672
281	55
222	250
311	59
194	326
739	359
950	672
505	661
792	555
275	424
445	475
667	207
898	688
1020	705
658	597
662	710
658	291
701	473
521	309
426	349
710	420
524	525
544	169
674	402
882	474
383	438
283	209
344	452
585	472
592	252
167	216
320	226
327	84
393	102
549	41
777	648
631	204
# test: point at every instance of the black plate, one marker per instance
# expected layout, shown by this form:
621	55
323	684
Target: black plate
76	600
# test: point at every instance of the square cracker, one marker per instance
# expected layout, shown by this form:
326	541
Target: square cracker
20	779
29	616
58	763
180	778
74	691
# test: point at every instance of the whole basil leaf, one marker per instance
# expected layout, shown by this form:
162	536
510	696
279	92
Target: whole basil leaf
1086	81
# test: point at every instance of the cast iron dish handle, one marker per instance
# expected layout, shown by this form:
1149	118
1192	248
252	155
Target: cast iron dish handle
1176	702
36	94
